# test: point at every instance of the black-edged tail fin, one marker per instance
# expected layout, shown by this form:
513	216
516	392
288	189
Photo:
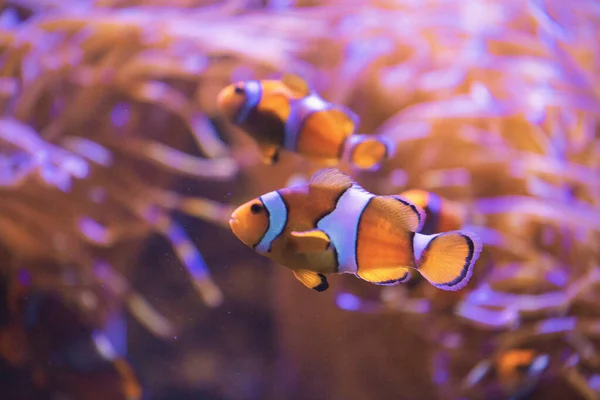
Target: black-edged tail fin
446	260
367	152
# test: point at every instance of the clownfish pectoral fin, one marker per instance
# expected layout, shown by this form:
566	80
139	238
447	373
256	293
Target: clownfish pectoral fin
401	211
313	241
297	84
270	154
312	280
385	276
446	260
275	156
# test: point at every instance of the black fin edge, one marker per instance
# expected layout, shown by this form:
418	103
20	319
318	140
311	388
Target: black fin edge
323	286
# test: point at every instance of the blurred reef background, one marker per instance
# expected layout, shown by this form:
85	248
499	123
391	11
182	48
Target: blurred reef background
121	280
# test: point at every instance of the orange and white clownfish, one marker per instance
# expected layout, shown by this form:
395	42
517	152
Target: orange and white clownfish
442	214
332	225
516	370
288	114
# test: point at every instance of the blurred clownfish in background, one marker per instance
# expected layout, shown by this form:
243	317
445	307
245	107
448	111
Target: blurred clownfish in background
515	373
288	114
332	225
442	215
53	343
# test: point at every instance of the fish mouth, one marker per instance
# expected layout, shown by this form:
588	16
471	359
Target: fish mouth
239	230
222	98
232	222
236	227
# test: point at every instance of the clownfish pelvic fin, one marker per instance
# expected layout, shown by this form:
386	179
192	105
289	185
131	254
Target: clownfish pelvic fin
312	241
446	259
312	280
269	153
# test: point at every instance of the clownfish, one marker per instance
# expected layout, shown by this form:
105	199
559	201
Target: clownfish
288	114
333	225
514	361
442	215
519	370
513	374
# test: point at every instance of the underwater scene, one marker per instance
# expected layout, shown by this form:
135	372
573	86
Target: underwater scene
299	199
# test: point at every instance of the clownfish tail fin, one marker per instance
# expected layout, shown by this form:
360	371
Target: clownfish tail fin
446	259
368	152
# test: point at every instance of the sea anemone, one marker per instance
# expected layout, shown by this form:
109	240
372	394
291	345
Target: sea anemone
494	106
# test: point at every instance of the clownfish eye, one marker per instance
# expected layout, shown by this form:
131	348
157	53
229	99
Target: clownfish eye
256	208
239	90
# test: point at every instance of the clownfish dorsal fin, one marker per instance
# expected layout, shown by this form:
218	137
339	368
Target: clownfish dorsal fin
331	178
410	216
312	280
313	241
296	84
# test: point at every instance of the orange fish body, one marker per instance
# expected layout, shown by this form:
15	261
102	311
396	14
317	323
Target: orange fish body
442	215
332	225
288	114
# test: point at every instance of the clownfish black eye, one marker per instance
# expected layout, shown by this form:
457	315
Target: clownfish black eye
256	208
239	90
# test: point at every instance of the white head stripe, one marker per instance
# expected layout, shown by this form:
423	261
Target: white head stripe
253	94
277	219
301	109
342	226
